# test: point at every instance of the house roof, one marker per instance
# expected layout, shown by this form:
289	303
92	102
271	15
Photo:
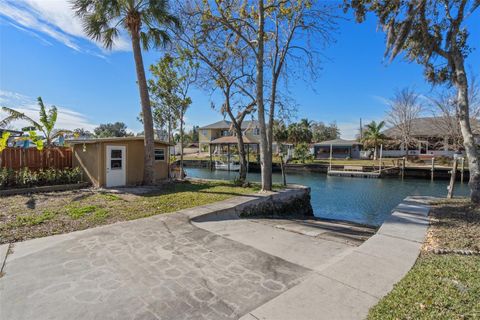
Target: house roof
112	139
233	140
338	143
225	124
13	132
429	127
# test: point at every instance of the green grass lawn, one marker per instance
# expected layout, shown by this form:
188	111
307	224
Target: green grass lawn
441	286
31	216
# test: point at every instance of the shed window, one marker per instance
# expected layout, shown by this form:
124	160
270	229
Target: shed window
160	154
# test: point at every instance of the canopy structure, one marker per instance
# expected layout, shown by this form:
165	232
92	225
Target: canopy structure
229	141
233	140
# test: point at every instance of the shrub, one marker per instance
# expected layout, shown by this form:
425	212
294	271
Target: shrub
25	177
302	152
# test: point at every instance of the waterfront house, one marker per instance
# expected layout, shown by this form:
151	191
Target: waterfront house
340	149
430	136
221	129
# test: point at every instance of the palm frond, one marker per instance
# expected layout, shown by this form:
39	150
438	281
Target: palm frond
100	19
154	38
60	132
16	115
43	112
52	118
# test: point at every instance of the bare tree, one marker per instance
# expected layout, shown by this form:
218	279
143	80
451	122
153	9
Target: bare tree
434	34
276	34
405	107
223	67
445	109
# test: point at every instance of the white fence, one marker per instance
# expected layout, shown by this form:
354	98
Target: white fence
401	153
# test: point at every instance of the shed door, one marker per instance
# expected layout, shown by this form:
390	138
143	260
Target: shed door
116	166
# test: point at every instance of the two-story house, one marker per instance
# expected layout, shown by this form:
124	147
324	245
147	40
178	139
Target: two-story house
222	128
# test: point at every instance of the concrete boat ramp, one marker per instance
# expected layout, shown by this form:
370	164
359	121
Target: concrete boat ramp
348	276
206	263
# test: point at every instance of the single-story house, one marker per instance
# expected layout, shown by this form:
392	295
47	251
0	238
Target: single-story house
341	149
433	136
112	162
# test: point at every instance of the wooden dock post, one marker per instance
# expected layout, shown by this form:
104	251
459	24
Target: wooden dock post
248	156
433	168
331	154
381	153
210	151
228	156
451	186
403	167
462	169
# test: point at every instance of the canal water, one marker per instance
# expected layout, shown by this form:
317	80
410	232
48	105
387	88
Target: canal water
361	200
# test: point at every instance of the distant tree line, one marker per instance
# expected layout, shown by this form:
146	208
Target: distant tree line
305	131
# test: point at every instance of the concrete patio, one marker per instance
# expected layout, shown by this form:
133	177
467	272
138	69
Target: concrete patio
169	267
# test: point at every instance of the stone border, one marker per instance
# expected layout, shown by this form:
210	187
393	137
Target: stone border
350	286
260	203
58	187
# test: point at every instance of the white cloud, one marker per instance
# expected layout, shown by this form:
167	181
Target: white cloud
382	100
55	19
67	118
348	130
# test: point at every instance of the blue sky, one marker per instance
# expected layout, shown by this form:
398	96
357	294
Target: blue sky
43	52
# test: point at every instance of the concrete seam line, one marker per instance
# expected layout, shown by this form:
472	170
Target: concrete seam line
401	238
250	313
4	259
346	284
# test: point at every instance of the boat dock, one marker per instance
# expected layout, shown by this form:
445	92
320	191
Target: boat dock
357	174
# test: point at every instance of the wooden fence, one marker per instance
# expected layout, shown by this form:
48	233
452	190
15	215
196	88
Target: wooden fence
16	158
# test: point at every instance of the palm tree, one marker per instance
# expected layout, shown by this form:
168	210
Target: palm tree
373	136
143	19
307	124
45	124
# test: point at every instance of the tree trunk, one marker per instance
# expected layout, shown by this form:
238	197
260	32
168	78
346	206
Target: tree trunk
241	153
375	153
265	162
282	167
170	125
148	171
181	144
461	83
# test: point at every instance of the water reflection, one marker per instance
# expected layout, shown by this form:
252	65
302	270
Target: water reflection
355	199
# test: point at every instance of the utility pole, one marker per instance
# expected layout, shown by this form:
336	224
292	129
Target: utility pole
361	130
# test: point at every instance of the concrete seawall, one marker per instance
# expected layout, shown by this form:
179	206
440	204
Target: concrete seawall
293	201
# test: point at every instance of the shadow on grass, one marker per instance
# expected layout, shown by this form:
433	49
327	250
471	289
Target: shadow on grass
187	186
31	203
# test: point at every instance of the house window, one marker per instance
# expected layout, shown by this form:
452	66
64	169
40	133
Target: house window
225	133
204	132
160	154
256	131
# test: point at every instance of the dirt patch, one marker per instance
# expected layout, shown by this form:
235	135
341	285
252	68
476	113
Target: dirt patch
36	215
454	225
